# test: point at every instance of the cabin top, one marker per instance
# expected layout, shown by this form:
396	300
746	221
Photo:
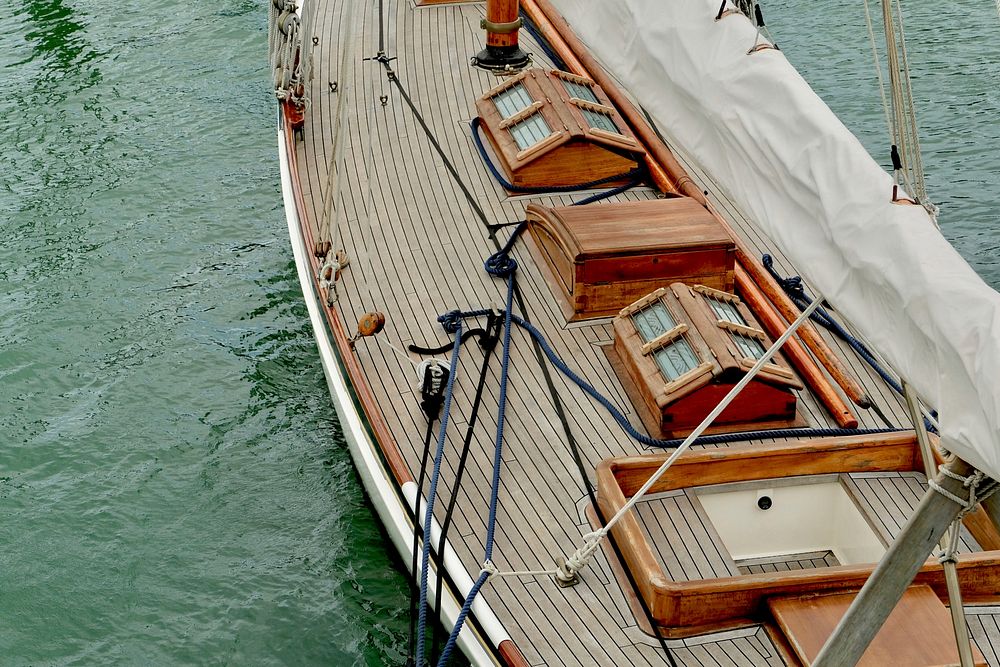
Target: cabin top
628	228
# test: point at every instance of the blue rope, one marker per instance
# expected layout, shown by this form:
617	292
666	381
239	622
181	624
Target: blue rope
502	265
498	269
432	492
796	291
634	175
622	420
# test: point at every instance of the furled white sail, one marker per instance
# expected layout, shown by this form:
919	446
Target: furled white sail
756	126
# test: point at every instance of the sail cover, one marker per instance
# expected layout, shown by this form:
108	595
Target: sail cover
752	122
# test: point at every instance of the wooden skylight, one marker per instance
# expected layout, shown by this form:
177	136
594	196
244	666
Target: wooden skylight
681	349
550	128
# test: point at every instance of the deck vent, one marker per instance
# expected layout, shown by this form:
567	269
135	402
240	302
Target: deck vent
552	129
679	350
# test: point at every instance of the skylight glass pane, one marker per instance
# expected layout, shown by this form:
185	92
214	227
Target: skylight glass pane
749	346
675	358
529	131
512	100
726	311
580	91
653	321
600	121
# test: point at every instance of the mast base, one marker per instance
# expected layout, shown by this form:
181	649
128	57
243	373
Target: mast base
501	59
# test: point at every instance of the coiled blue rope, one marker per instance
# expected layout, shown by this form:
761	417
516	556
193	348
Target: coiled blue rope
635	176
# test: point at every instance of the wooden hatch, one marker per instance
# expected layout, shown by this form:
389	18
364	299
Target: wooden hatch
551	129
918	632
679	352
600	258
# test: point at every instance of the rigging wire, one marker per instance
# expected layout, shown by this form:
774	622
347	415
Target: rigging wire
332	214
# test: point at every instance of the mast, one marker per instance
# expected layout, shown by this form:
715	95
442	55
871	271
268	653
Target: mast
895	572
502	53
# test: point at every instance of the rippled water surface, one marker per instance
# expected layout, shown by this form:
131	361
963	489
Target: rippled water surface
173	487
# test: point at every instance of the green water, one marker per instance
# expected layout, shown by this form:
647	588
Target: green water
173	487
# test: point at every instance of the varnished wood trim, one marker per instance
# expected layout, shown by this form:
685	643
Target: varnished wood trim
373	415
804	365
752	332
716	294
712	604
643	302
773	369
553	138
529	110
511	655
573	78
624	141
663	338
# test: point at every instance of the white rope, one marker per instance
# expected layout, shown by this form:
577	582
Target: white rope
382	340
592	540
878	71
490	569
972	483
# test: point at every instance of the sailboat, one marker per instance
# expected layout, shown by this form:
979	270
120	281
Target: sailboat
642	359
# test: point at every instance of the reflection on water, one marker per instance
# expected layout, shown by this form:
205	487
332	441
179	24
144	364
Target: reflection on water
56	36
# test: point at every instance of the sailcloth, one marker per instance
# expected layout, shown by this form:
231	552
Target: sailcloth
753	123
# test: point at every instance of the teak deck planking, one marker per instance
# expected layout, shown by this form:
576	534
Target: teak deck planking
409	230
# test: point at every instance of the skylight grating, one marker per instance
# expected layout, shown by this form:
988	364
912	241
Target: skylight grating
675	358
580	91
749	346
653	321
529	131
725	310
512	100
599	120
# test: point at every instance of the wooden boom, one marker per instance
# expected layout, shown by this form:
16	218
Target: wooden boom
793	350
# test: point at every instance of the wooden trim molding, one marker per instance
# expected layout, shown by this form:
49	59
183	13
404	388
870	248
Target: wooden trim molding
373	414
511	655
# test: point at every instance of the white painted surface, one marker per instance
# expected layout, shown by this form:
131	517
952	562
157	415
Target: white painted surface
802	518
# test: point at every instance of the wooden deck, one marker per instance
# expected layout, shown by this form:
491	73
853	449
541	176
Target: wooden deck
413	215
